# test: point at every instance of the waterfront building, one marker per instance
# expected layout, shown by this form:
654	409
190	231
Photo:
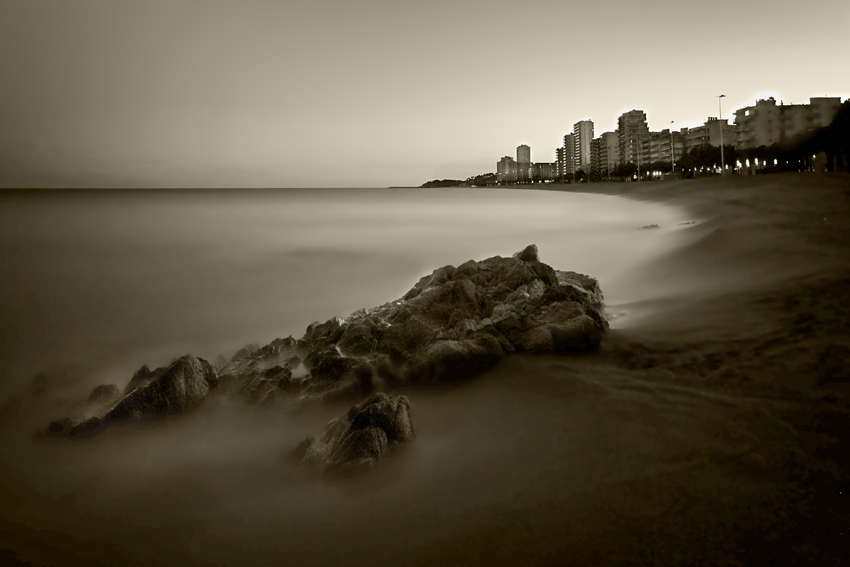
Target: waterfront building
582	137
568	155
631	131
766	124
523	154
559	163
543	171
709	133
506	170
523	161
604	153
663	146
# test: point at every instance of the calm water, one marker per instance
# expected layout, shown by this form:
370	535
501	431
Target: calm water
112	280
95	284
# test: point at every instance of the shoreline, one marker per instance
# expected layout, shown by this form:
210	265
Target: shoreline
740	382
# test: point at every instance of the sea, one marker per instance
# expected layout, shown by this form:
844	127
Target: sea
96	283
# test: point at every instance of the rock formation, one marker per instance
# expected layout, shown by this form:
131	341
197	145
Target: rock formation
453	324
163	392
362	436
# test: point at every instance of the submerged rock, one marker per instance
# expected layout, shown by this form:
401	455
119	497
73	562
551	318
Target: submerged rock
165	391
362	436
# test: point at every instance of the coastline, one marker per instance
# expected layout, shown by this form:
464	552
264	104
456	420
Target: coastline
753	317
738	380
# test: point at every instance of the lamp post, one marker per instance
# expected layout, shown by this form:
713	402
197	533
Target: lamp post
720	125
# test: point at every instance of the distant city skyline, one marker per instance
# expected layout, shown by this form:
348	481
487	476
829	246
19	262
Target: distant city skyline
264	94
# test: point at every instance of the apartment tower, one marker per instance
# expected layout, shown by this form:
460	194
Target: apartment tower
631	131
582	138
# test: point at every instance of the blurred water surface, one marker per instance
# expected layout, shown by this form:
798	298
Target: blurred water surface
115	279
97	283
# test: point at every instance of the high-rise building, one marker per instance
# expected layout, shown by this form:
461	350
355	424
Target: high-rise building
523	154
523	162
569	163
559	163
506	170
604	153
582	136
631	130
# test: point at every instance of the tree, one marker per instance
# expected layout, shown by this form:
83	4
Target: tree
625	170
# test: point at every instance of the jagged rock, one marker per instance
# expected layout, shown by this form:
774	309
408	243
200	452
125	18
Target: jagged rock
585	284
529	254
363	436
170	391
162	392
453	324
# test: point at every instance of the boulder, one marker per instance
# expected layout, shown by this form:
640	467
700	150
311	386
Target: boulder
365	434
453	324
166	391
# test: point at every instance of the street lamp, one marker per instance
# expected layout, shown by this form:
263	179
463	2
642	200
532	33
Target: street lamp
720	124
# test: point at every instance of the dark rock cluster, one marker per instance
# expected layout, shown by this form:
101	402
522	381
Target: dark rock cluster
368	432
162	392
453	324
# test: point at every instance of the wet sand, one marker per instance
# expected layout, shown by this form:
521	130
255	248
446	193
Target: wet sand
712	428
738	362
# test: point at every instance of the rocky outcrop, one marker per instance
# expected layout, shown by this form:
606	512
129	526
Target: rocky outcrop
363	436
453	324
166	391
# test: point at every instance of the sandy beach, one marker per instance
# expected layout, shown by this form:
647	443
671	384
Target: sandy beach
740	370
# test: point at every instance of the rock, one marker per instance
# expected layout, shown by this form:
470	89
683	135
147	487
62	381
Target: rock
363	436
166	391
587	285
104	394
453	324
173	390
528	254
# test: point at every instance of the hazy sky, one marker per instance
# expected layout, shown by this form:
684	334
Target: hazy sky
213	93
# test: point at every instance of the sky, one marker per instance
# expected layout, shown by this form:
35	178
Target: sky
356	93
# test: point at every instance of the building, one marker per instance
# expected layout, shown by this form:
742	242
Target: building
523	161
544	171
631	131
559	163
766	124
522	170
664	147
604	153
523	154
506	170
710	133
568	166
582	137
